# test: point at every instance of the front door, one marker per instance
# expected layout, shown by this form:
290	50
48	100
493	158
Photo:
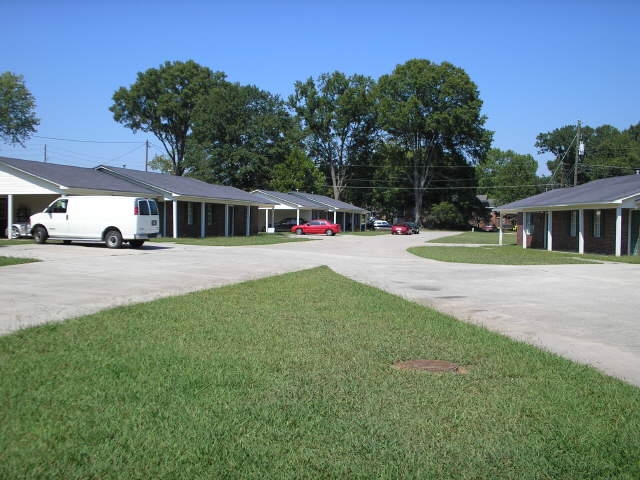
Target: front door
635	232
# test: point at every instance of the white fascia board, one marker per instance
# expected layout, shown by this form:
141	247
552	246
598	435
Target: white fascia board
558	208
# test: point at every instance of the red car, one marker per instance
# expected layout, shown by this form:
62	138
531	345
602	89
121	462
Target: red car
401	229
317	226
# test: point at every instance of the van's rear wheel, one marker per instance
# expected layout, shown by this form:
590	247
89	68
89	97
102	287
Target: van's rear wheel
113	239
136	243
40	234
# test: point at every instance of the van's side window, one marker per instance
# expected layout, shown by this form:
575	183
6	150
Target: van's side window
60	206
143	207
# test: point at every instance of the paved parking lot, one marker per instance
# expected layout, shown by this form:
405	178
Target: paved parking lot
584	312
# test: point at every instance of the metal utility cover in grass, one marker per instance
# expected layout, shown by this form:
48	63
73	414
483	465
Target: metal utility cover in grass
427	366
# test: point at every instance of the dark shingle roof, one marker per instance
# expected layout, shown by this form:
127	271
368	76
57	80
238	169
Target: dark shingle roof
186	186
603	191
330	202
74	177
288	199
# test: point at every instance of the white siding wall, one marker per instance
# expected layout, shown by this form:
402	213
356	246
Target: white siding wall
11	184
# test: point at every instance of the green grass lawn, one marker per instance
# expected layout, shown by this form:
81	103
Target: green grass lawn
260	239
478	238
5	261
291	377
498	255
4	242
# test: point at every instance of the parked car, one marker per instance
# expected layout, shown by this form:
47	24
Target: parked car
285	224
415	228
401	229
316	226
19	230
489	227
98	219
381	225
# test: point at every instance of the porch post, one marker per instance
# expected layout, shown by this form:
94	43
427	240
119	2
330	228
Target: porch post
266	219
9	214
247	226
618	231
164	220
335	216
297	216
500	237
202	219
525	231
226	220
581	231
175	218
550	231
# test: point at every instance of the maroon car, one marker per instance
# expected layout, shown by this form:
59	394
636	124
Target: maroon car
401	229
316	226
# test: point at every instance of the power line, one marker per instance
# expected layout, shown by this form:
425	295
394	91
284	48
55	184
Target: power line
80	141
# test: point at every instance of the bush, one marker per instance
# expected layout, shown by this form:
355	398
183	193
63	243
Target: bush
444	215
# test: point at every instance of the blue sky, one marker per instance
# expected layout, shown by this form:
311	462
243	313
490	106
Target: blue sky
538	65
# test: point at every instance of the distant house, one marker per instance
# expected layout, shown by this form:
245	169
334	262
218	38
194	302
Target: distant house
188	207
602	216
308	206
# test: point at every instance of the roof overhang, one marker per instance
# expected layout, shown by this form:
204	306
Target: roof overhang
559	208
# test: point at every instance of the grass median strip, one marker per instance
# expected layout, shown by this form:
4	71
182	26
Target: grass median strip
236	241
6	261
291	377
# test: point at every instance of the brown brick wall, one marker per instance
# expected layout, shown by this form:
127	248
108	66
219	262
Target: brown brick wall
562	239
216	228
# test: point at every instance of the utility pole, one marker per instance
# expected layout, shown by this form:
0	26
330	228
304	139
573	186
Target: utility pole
146	155
579	146
45	153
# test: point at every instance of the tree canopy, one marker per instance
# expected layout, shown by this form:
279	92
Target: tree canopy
608	152
17	110
162	101
507	176
298	172
241	132
337	116
432	113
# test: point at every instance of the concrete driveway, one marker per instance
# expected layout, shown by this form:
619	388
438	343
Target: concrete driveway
588	313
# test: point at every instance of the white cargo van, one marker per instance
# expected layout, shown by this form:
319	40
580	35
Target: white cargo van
108	219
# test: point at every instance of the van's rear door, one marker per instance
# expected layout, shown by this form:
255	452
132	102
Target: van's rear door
148	220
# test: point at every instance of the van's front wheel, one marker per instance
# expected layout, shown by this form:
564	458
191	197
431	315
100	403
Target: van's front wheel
113	239
40	234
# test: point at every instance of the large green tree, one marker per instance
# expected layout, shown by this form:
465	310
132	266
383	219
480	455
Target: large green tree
162	101
432	113
241	132
337	116
507	176
17	110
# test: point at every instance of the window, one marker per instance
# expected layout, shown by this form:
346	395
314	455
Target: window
573	231
189	213
154	207
143	207
529	223
597	223
60	206
209	214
